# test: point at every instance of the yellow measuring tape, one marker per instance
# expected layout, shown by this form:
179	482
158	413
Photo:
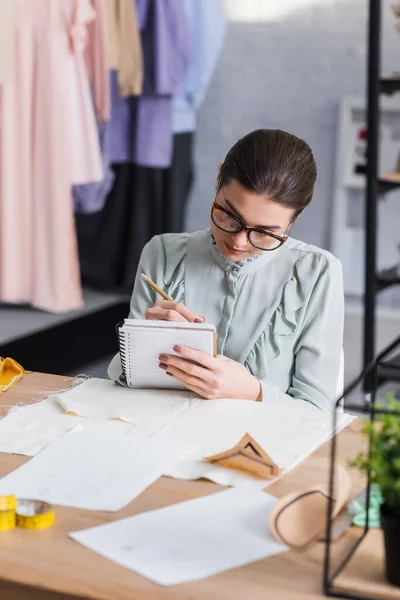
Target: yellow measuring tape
8	505
7	520
28	514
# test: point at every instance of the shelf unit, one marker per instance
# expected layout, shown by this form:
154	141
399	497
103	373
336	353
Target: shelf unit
386	181
376	184
389	85
347	226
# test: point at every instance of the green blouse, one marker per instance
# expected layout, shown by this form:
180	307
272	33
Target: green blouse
279	313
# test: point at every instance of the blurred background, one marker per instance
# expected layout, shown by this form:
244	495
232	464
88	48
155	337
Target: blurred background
114	115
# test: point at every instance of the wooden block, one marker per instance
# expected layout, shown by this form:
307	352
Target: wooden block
247	456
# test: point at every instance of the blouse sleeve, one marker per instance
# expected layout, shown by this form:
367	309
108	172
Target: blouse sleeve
319	348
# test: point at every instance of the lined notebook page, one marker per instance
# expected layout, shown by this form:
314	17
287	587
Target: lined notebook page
144	341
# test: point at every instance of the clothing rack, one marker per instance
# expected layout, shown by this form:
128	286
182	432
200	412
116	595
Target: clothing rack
376	186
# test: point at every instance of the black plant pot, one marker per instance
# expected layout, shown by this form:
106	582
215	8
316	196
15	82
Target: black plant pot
391	530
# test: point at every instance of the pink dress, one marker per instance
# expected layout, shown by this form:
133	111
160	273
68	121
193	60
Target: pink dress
48	141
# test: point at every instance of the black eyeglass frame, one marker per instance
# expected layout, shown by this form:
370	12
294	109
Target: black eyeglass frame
242	227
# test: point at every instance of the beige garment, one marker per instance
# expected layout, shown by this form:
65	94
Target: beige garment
125	46
7	26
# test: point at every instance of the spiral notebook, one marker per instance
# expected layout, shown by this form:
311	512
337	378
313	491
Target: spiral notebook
141	342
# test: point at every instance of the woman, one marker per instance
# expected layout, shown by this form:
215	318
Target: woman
277	303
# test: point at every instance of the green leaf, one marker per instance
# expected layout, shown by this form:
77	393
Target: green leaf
383	460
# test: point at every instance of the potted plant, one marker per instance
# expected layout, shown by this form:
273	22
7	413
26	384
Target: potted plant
383	464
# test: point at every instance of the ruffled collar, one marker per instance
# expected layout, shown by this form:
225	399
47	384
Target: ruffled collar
252	263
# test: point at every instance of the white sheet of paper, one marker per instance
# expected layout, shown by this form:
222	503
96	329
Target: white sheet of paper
190	540
103	399
28	429
85	469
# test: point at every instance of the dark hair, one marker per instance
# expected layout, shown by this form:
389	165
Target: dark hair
272	163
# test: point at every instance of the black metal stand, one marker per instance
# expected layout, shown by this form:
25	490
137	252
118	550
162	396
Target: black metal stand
374	282
372	371
371	184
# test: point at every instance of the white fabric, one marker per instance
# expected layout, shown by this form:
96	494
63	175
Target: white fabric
102	399
288	430
28	429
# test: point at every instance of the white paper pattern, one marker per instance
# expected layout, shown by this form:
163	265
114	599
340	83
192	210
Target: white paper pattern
85	469
288	432
190	540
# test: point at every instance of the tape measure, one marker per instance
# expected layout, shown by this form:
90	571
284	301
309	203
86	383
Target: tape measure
8	505
25	513
34	514
7	520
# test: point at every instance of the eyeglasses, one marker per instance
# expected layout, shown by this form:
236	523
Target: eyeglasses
230	223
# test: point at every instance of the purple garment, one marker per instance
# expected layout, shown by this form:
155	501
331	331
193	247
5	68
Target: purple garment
141	128
90	197
122	125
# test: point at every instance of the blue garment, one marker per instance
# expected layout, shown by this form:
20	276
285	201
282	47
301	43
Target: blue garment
207	31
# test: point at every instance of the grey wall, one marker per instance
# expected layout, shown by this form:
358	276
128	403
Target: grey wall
288	74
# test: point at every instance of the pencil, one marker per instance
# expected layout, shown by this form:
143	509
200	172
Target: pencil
155	287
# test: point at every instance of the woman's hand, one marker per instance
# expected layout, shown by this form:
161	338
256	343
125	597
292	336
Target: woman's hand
218	377
164	310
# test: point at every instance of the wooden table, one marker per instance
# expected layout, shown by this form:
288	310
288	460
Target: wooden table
45	565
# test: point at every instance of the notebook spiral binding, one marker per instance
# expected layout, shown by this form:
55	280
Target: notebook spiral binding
122	347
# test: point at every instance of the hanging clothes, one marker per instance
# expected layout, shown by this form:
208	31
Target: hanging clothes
90	197
97	60
141	128
48	140
207	32
124	57
146	201
111	241
125	46
8	9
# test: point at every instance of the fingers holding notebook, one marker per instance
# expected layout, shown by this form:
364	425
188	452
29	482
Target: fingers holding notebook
165	310
210	377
